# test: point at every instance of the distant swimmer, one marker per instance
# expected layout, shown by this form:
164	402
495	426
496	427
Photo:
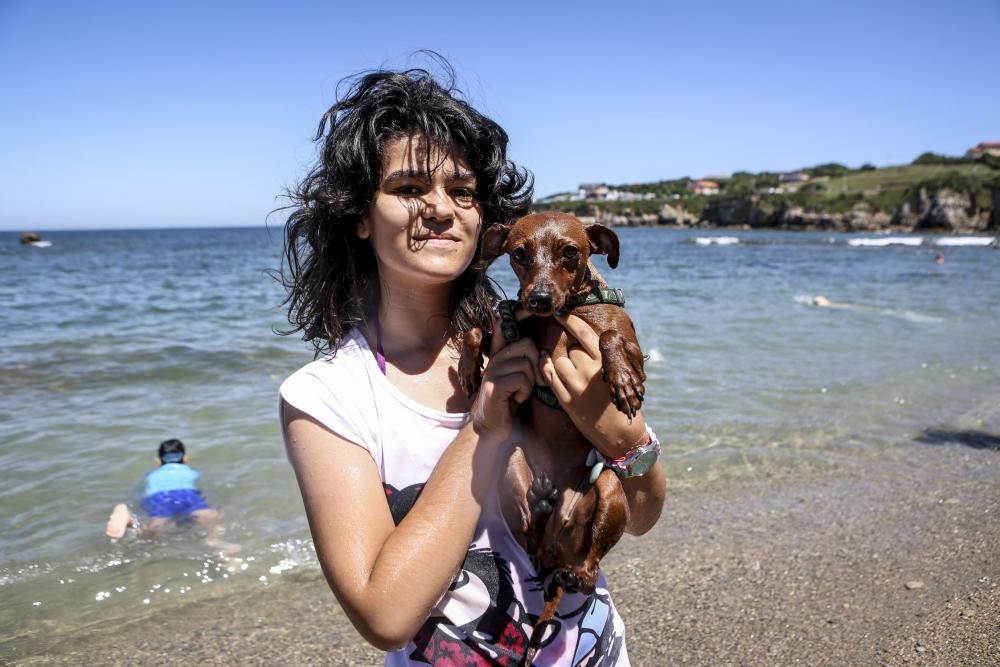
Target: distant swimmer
939	258
821	301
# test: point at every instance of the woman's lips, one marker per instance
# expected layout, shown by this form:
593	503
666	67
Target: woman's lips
436	239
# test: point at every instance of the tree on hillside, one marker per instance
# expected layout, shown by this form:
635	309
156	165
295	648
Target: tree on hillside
935	158
830	169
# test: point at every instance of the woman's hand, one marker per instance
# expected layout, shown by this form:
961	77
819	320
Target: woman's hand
508	380
577	381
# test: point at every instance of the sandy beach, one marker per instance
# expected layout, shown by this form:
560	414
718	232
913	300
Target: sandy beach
891	560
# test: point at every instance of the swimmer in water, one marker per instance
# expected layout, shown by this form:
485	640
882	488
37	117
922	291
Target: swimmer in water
821	301
171	498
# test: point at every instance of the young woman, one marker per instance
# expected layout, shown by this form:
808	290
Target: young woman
398	469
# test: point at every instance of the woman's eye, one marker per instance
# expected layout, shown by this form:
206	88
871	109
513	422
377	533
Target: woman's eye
407	191
569	252
463	193
519	255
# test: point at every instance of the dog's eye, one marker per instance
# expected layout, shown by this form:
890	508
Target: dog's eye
569	252
519	255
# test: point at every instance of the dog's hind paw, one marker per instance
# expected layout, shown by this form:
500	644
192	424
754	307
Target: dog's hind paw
542	495
565	578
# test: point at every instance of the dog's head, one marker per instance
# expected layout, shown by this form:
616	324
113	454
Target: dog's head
549	252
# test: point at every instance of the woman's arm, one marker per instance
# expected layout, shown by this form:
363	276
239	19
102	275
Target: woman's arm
388	578
577	382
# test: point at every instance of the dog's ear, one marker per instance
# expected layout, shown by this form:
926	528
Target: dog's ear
493	239
603	241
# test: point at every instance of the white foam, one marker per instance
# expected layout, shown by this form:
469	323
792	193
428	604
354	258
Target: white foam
966	241
716	240
40	244
886	241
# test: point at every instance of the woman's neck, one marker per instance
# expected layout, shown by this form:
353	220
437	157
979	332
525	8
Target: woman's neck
413	325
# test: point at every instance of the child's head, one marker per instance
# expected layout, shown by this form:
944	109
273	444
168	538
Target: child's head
171	451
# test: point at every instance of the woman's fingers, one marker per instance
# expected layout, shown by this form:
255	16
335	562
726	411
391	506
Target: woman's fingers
582	332
554	381
497	342
514	385
523	350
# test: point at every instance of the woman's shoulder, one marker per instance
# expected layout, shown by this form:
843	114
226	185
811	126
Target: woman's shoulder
348	359
342	373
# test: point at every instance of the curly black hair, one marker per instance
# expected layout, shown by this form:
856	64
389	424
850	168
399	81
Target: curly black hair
331	274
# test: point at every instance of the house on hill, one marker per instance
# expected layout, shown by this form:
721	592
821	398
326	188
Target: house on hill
704	187
593	190
984	148
793	177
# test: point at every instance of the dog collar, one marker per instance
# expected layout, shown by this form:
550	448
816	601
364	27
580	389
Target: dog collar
614	297
547	396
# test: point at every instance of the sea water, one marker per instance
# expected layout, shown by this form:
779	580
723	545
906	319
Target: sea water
116	340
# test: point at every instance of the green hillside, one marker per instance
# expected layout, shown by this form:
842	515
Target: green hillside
831	188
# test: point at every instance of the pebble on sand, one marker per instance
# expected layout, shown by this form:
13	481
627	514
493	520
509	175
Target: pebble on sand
913	585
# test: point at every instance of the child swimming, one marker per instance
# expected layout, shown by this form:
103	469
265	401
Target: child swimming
171	497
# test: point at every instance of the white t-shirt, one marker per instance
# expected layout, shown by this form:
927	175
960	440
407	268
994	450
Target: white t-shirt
487	615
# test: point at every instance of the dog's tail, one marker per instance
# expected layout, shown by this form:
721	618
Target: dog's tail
548	613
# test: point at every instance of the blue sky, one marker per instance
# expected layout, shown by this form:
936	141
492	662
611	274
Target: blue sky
138	114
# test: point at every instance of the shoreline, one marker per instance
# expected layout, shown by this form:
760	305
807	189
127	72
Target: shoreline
817	567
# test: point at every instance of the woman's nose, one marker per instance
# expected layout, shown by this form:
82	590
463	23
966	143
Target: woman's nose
438	205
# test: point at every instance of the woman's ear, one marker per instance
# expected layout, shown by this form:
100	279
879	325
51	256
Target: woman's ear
363	231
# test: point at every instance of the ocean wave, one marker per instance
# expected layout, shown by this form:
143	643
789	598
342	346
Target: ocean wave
881	242
716	240
966	241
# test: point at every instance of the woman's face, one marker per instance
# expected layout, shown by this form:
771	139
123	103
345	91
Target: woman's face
424	222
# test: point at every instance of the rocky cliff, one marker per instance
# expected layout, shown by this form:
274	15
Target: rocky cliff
924	210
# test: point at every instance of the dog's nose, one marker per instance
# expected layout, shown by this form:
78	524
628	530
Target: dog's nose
540	300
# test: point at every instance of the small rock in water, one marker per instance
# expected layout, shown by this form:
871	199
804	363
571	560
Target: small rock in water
913	585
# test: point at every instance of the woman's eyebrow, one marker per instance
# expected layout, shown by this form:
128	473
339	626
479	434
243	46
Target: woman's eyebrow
407	173
423	175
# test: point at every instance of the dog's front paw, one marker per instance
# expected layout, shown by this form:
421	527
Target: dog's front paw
470	375
627	388
470	362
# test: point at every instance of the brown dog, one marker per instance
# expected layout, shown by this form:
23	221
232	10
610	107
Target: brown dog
549	475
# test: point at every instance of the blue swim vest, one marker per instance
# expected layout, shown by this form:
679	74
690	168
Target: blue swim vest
171	477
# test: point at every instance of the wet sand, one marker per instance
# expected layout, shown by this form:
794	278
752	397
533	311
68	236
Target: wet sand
890	561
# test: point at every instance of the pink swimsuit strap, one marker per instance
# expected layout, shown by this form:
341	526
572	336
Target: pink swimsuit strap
379	354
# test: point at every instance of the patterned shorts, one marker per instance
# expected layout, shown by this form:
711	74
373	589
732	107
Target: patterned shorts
174	503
